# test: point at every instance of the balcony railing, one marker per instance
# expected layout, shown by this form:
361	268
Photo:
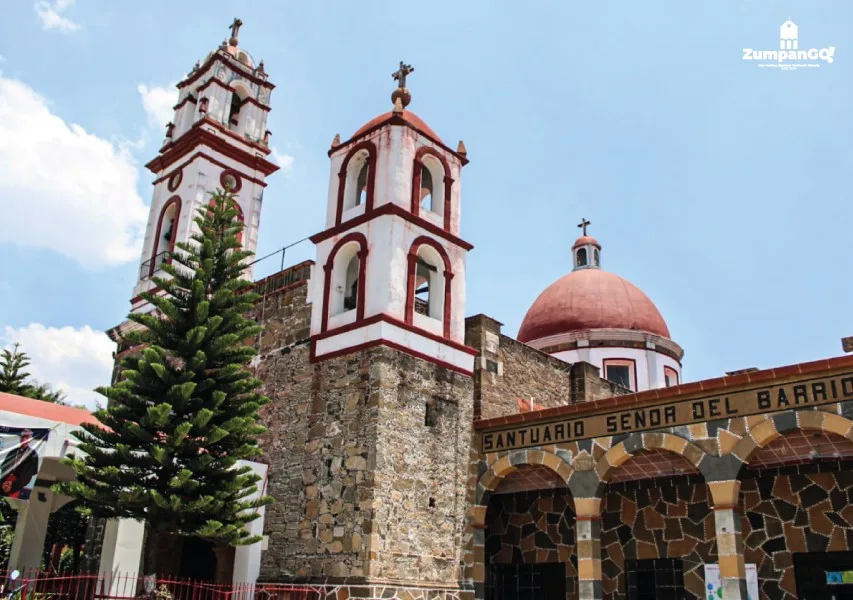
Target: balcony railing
152	265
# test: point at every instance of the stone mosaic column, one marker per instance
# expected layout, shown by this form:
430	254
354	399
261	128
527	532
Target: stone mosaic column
724	495
588	547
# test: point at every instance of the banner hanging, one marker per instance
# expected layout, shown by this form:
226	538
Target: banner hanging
21	452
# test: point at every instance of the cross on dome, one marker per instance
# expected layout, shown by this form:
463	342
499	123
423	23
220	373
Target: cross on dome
586	251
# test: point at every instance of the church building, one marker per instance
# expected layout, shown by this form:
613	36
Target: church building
415	452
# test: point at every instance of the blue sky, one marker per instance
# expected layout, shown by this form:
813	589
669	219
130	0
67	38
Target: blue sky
718	187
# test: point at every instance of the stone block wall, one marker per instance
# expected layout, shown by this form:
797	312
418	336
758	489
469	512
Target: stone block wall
508	370
512	377
657	518
424	427
533	527
801	508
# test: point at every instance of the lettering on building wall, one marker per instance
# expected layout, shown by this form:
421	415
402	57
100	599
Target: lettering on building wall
680	412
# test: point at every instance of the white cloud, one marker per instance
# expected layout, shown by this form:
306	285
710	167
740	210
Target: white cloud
285	161
50	15
64	189
73	360
158	102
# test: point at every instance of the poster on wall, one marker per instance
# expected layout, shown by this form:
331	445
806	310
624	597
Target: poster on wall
714	588
21	452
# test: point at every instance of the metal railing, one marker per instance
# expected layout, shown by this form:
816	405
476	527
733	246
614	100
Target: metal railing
32	585
152	265
283	279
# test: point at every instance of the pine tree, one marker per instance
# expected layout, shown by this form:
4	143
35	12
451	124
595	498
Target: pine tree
187	409
13	378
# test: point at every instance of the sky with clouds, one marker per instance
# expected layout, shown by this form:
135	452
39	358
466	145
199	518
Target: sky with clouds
718	187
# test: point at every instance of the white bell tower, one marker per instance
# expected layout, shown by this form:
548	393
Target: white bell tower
390	263
217	139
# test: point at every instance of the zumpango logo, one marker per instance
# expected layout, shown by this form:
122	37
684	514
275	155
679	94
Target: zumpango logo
789	56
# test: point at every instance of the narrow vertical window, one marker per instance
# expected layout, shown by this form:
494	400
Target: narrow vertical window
423	281
234	112
351	286
427	189
361	185
581	257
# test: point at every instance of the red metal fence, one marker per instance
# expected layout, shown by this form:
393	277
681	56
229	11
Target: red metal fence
32	585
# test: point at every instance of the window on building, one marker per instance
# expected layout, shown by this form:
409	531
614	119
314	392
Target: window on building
423	283
234	112
430	415
427	189
670	376
595	258
361	185
621	372
581	257
351	286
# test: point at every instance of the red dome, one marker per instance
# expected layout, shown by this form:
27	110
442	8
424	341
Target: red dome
408	116
591	299
585	240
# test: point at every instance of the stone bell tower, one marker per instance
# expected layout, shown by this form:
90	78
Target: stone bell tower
217	139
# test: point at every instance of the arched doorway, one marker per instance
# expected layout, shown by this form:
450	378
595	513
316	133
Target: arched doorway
530	537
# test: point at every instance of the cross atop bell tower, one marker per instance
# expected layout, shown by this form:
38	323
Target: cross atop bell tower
235	31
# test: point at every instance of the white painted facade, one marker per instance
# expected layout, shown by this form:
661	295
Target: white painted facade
390	238
212	87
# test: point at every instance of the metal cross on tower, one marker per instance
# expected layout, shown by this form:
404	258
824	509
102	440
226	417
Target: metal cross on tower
584	224
235	30
400	74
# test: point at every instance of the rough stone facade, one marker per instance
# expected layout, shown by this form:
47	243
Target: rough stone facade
369	456
533	527
511	377
657	518
799	508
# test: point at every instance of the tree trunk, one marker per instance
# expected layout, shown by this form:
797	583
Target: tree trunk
152	546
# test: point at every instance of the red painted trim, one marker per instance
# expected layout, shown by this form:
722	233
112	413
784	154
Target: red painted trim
383	318
416	182
367	345
189	98
410	281
362	276
397	211
199	136
401	121
175	179
153	290
243	70
212	160
166	206
236	136
370	147
237	178
615	361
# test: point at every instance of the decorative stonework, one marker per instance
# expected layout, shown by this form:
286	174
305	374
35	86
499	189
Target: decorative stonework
801	508
657	518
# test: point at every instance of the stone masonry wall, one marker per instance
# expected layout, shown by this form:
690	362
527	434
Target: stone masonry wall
800	508
368	459
533	527
508	370
423	442
657	518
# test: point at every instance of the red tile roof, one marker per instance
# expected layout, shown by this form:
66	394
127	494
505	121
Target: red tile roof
45	410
